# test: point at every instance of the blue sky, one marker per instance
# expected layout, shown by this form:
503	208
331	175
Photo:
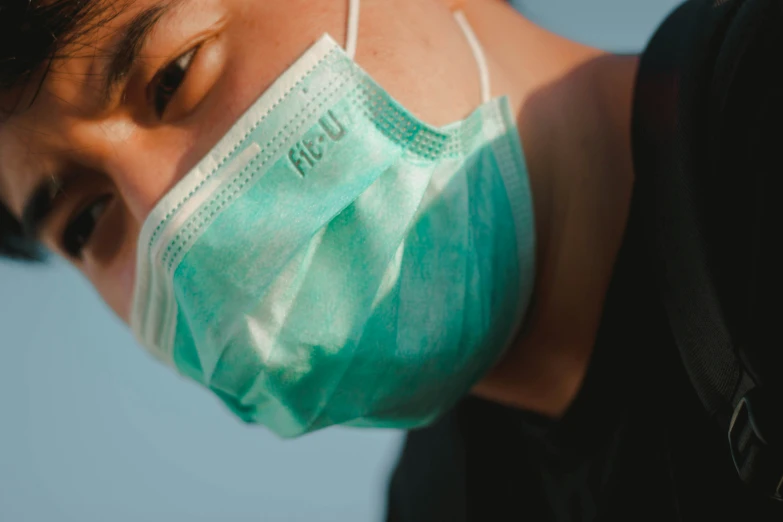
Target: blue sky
93	430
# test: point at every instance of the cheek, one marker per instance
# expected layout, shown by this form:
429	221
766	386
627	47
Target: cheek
126	280
115	283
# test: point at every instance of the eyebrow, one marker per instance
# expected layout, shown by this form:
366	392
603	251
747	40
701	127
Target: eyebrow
125	52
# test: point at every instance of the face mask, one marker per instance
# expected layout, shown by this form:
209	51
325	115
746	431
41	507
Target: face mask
334	260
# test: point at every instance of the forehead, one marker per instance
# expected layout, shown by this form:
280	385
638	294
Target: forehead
96	24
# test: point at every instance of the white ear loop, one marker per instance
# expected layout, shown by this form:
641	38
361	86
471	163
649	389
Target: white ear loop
478	54
353	28
352	39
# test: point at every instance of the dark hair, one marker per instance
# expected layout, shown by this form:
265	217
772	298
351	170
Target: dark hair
32	34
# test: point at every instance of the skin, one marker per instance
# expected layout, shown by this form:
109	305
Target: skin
572	102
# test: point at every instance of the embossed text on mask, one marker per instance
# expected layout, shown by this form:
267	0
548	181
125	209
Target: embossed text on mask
312	149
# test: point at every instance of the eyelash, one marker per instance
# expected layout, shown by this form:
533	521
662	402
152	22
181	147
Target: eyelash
175	72
78	231
163	88
81	227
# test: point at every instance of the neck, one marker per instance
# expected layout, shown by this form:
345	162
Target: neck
574	107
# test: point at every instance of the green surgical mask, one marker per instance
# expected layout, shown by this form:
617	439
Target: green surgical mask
334	260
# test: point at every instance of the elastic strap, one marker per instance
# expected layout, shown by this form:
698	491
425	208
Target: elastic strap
352	38
353	28
478	54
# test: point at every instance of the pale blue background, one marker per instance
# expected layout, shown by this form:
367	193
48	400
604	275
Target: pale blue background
92	430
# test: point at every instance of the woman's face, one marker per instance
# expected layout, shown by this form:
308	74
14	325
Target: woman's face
139	100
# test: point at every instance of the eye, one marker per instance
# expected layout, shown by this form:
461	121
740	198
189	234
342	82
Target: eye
79	230
168	81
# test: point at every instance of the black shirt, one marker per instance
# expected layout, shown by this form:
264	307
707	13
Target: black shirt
636	444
